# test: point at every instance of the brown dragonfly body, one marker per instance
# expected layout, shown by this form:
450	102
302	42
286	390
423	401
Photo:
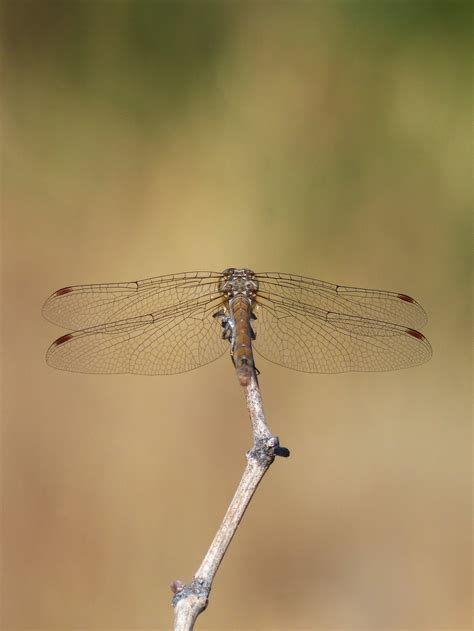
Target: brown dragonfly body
170	324
240	287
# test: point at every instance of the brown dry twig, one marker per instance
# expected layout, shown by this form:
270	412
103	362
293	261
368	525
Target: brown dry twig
191	599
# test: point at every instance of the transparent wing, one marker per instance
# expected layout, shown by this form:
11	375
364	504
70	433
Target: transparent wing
372	304
90	305
304	338
153	344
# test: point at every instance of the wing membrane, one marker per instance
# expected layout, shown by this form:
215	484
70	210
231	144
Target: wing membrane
150	345
372	304
85	306
314	340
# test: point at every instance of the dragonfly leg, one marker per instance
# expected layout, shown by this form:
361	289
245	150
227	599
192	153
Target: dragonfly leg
221	317
224	321
252	332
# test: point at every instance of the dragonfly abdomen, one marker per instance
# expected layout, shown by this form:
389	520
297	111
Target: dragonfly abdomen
241	314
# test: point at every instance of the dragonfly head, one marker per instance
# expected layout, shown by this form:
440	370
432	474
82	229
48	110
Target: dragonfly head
238	281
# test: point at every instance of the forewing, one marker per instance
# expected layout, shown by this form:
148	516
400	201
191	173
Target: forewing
85	306
372	304
148	345
312	340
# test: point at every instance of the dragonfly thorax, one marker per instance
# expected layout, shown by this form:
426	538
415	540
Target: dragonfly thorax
236	282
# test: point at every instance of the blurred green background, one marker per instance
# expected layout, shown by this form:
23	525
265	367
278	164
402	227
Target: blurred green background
329	139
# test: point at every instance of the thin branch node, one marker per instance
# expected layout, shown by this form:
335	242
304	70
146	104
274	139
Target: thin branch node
265	449
198	589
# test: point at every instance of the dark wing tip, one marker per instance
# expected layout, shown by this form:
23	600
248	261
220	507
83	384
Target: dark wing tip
416	334
62	340
50	354
428	351
62	291
421	317
51	301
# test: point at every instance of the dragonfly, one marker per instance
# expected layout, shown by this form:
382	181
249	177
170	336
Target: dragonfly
178	322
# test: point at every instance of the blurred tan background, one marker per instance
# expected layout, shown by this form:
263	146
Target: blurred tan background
328	139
